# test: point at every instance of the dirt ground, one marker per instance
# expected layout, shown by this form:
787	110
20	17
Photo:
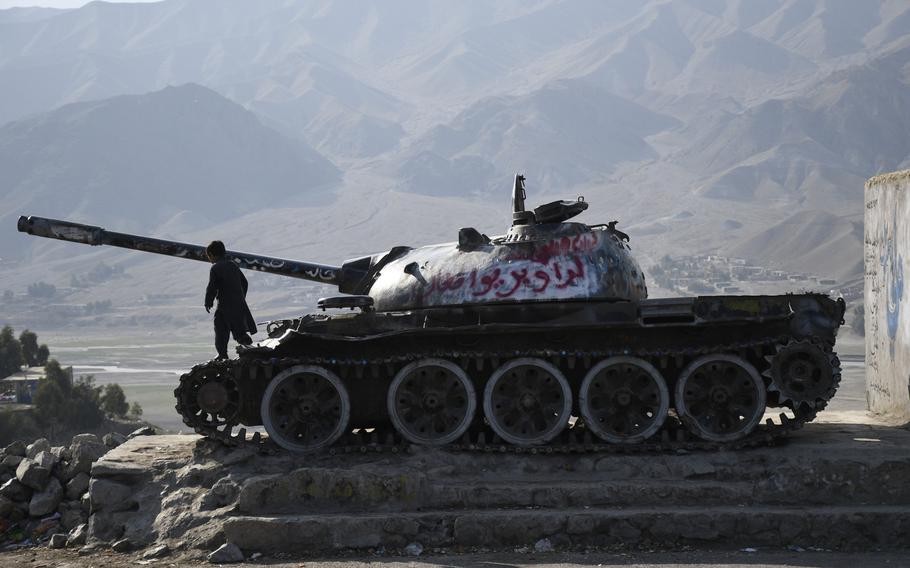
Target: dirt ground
44	558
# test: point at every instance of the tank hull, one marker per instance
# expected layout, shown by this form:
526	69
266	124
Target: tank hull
367	351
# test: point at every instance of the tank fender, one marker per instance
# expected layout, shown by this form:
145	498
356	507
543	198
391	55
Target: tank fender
816	315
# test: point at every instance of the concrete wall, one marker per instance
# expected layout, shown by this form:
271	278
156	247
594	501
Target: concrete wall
887	293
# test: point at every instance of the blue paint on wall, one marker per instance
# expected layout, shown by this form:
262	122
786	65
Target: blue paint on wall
892	263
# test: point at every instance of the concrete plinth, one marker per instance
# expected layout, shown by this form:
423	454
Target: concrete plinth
887	294
834	485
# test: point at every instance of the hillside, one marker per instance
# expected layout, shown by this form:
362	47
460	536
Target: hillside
702	126
137	161
577	131
810	240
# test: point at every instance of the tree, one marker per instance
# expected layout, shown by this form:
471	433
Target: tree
135	410
42	290
113	401
53	397
10	353
85	411
29	342
43	354
60	403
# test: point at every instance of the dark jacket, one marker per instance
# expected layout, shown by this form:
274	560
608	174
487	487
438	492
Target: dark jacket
228	284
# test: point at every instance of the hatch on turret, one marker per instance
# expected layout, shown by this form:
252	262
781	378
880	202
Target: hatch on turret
553	212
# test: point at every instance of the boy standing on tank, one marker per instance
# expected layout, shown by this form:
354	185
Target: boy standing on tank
228	284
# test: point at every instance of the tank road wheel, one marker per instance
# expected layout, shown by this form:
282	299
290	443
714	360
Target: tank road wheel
305	408
527	401
624	400
432	402
720	398
208	398
802	373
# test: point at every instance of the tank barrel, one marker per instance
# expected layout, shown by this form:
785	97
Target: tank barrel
93	235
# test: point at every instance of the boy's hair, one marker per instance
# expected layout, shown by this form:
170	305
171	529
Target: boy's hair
215	249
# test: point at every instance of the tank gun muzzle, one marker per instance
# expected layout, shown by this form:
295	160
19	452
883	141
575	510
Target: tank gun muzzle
63	230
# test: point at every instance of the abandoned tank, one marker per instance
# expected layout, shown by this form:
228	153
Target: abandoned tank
541	340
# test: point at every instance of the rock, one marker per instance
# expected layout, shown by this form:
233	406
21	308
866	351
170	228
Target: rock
144	431
77	536
86	503
413	549
110	496
19	512
31	474
122	545
72	515
15	491
105	527
45	502
17	448
46	459
223	492
83	438
84	454
543	545
113	439
36	447
77	486
90	549
11	462
226	554
6	507
159	551
57	541
62	453
4	477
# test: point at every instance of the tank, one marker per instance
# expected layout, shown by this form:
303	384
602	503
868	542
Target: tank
539	340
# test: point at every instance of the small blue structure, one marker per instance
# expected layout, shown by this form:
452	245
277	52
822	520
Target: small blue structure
25	383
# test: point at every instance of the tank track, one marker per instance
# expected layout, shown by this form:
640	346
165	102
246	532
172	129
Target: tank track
673	436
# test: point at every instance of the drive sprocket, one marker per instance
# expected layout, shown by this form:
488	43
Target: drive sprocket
804	372
208	400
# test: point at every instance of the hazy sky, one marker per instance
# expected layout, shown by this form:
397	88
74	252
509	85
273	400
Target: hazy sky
54	3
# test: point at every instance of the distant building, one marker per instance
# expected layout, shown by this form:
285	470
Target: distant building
25	383
699	287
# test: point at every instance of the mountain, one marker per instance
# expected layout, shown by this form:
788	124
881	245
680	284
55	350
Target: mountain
701	125
138	160
575	130
814	241
812	149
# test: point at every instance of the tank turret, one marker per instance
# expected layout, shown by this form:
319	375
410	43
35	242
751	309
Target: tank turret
542	258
